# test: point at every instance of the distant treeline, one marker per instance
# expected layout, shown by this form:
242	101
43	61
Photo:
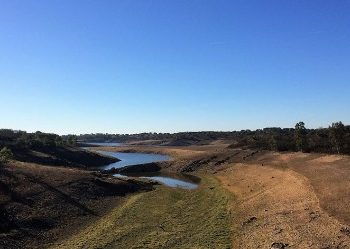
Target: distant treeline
194	136
334	139
21	139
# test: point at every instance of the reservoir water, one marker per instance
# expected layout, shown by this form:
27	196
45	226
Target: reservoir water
107	144
127	159
173	180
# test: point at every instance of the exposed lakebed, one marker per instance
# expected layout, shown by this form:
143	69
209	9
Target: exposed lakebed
128	159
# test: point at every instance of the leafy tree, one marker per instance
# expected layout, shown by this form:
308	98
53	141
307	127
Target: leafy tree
72	140
7	134
273	143
300	136
5	155
336	135
59	141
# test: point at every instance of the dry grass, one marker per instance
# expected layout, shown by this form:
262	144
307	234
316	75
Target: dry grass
39	204
164	218
295	198
177	153
285	207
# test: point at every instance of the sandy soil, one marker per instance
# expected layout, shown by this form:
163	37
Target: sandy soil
278	206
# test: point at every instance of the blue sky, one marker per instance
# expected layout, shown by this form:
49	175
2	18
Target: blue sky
167	66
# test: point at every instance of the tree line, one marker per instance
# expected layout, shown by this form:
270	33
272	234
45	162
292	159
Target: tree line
23	140
334	139
11	140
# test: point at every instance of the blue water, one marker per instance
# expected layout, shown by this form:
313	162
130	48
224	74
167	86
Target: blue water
106	144
127	159
133	158
172	182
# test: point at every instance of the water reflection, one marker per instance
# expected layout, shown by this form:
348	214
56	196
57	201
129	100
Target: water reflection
127	159
171	180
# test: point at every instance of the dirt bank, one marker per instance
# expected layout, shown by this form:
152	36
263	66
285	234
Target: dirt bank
39	204
278	206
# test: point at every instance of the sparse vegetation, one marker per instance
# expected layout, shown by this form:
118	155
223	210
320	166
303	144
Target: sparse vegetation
5	155
164	218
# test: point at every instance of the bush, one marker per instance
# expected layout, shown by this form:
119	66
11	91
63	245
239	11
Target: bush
5	155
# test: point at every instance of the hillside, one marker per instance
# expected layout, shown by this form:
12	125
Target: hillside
40	204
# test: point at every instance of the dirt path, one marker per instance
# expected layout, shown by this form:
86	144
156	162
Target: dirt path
278	206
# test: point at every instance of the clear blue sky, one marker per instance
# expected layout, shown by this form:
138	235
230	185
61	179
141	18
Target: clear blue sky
166	66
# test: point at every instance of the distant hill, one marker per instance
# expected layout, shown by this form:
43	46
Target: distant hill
334	139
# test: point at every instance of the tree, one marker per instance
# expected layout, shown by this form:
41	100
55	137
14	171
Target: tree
336	136
300	136
72	140
5	155
274	143
58	141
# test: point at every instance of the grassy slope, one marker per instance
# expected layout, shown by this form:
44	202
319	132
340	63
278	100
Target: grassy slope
164	218
40	204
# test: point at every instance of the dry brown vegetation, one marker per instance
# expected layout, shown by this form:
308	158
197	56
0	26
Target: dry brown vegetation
299	199
273	198
39	204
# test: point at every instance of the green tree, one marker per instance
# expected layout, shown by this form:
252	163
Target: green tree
300	136
273	143
5	155
58	141
72	140
336	136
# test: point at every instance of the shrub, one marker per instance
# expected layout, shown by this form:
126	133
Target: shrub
5	155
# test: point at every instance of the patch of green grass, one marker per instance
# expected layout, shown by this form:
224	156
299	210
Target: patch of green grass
163	218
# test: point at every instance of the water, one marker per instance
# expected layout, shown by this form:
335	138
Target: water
170	180
106	144
127	159
173	180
